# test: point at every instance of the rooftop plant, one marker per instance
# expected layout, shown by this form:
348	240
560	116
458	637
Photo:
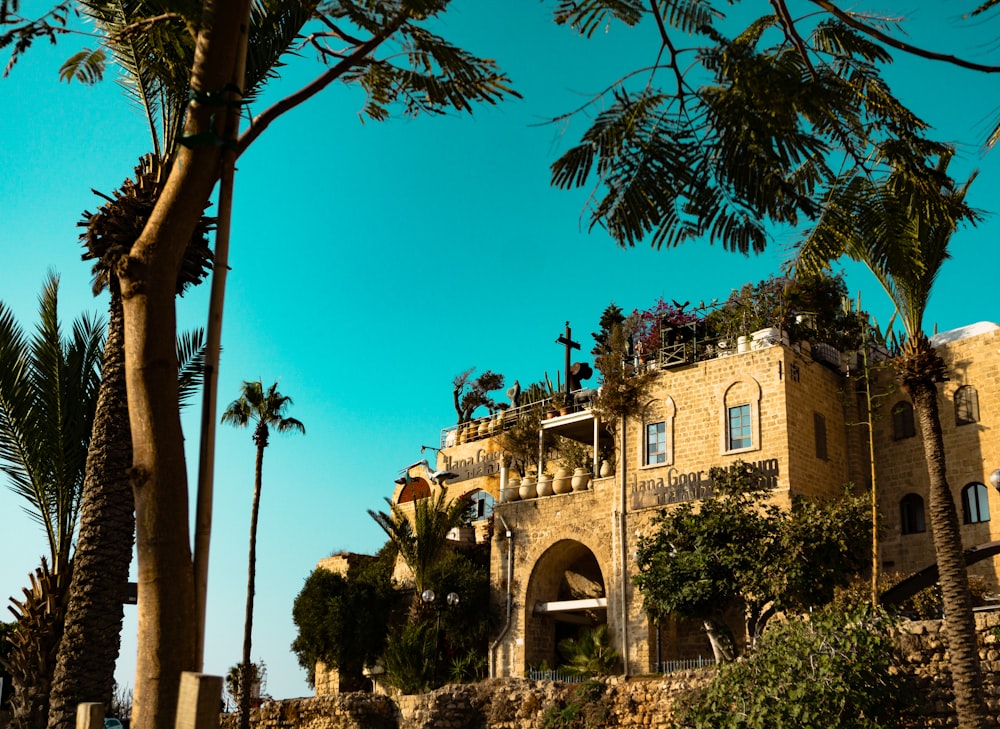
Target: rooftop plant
469	394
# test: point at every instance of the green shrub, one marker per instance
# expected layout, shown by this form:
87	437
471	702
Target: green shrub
833	669
411	658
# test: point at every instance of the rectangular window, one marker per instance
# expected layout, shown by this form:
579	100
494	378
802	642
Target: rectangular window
819	428
656	443
739	434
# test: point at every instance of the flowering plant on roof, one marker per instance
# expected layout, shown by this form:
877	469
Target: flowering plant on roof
649	323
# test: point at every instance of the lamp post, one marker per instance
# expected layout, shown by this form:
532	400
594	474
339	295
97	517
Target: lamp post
430	598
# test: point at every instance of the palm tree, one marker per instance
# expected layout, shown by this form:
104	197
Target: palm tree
900	227
421	542
48	390
266	410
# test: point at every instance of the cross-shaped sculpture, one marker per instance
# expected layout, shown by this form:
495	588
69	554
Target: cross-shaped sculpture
567	340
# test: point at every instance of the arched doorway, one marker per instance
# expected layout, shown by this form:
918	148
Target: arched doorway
566	594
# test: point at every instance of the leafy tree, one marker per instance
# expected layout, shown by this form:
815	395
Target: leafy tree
736	549
836	668
265	409
721	137
440	77
520	440
343	620
611	315
623	387
48	392
422	541
411	656
472	394
899	226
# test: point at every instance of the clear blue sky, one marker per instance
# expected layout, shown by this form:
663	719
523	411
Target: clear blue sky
373	262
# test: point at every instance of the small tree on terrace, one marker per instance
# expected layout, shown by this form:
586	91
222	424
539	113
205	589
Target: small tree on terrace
472	394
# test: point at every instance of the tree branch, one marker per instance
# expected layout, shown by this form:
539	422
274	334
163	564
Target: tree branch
792	34
259	123
850	20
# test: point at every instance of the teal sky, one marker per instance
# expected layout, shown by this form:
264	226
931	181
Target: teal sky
372	262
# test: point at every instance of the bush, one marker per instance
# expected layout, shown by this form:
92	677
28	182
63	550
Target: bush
833	669
411	658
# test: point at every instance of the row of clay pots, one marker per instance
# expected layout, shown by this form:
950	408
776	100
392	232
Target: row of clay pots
481	428
562	483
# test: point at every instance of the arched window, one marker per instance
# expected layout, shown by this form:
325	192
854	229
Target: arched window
658	433
975	504
740	416
966	405
902	421
911	514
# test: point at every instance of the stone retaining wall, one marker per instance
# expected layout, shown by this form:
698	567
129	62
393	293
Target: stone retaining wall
639	703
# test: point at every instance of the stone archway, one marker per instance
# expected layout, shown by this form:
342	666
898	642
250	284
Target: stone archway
566	593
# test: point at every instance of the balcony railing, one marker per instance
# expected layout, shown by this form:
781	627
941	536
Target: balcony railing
493	425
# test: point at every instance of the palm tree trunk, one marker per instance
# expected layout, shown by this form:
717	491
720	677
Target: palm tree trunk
959	623
89	648
247	671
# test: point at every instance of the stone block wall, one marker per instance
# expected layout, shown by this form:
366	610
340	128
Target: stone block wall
646	702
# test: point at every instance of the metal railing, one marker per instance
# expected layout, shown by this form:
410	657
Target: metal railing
493	425
683	664
556	675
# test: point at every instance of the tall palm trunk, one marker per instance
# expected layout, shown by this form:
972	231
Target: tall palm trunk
959	622
90	644
247	672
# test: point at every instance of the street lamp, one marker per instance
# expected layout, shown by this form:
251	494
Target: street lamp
430	599
995	479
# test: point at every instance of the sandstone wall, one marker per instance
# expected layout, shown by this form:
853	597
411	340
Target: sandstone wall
638	703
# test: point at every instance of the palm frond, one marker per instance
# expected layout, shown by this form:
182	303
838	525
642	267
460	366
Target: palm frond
274	28
898	226
48	394
191	364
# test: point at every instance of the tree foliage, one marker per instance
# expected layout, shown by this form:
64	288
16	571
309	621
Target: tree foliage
422	541
723	136
343	620
735	548
836	668
470	394
443	642
623	386
48	393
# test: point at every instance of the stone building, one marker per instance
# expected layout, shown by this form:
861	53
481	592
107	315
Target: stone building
798	414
